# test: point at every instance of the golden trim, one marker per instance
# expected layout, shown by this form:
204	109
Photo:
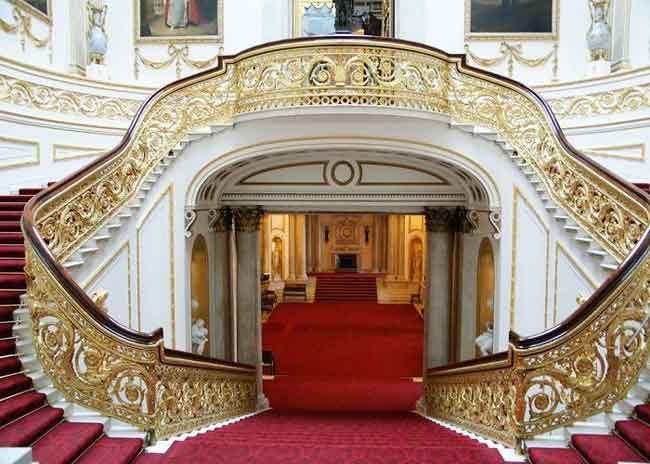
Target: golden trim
484	36
14	164
517	193
179	55
602	151
89	151
577	268
99	272
218	38
172	269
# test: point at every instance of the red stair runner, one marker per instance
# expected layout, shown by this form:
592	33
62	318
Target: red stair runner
25	417
345	286
277	437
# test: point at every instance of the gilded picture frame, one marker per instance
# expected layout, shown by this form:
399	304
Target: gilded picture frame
154	29
30	7
300	5
551	35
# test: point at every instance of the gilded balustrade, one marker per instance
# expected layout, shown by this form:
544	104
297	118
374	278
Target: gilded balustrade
540	387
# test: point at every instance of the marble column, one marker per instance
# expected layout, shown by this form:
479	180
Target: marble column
376	241
301	247
220	226
392	258
249	320
291	275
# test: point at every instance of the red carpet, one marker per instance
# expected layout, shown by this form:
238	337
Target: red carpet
345	286
25	417
329	438
344	356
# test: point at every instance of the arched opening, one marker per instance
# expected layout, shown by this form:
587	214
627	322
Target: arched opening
485	278
200	294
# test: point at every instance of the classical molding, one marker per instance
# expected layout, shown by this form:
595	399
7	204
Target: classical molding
247	219
177	55
511	53
43	97
190	219
220	220
22	15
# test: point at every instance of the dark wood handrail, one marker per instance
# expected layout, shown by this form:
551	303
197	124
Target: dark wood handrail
584	311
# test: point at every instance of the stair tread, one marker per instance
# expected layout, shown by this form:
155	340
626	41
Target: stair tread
20	405
604	449
643	412
66	442
24	431
14	384
7	347
554	456
636	433
113	450
9	365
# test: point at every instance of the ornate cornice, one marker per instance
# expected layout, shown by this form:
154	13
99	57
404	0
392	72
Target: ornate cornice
220	220
43	97
247	219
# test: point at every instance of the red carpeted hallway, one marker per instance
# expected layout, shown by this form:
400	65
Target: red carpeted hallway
276	437
26	418
344	356
346	286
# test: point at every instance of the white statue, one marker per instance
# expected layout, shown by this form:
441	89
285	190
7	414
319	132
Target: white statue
199	331
485	341
97	39
600	34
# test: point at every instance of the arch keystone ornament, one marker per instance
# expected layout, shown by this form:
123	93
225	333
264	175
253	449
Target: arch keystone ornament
534	386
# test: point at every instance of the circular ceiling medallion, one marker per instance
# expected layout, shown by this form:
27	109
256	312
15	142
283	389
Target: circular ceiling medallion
342	173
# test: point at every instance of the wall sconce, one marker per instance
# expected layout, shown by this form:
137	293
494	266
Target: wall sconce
366	232
327	234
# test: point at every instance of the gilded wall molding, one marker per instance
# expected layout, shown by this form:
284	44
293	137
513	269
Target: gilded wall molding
178	55
511	53
618	151
42	97
626	99
25	162
58	150
22	14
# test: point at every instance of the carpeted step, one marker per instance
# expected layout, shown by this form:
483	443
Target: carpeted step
10	365
604	449
7	347
10	215
150	458
7	312
10	226
19	406
24	431
12	251
11	237
12	205
29	191
112	450
12	264
642	411
554	456
6	329
15	198
10	297
14	384
65	443
12	280
636	433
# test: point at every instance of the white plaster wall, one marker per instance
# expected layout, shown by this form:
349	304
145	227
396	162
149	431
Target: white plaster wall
570	282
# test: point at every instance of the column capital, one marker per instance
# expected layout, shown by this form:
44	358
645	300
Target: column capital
450	219
220	219
247	219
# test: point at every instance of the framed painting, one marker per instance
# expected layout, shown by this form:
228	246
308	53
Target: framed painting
174	21
360	17
511	19
42	9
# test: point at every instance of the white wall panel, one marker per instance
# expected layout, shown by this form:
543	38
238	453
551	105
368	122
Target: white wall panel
530	266
115	276
18	152
155	267
571	281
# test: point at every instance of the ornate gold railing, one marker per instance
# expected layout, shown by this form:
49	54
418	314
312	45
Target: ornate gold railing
577	369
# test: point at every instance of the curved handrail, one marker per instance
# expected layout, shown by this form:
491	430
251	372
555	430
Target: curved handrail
342	71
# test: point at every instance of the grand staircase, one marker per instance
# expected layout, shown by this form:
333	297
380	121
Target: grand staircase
27	415
345	286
